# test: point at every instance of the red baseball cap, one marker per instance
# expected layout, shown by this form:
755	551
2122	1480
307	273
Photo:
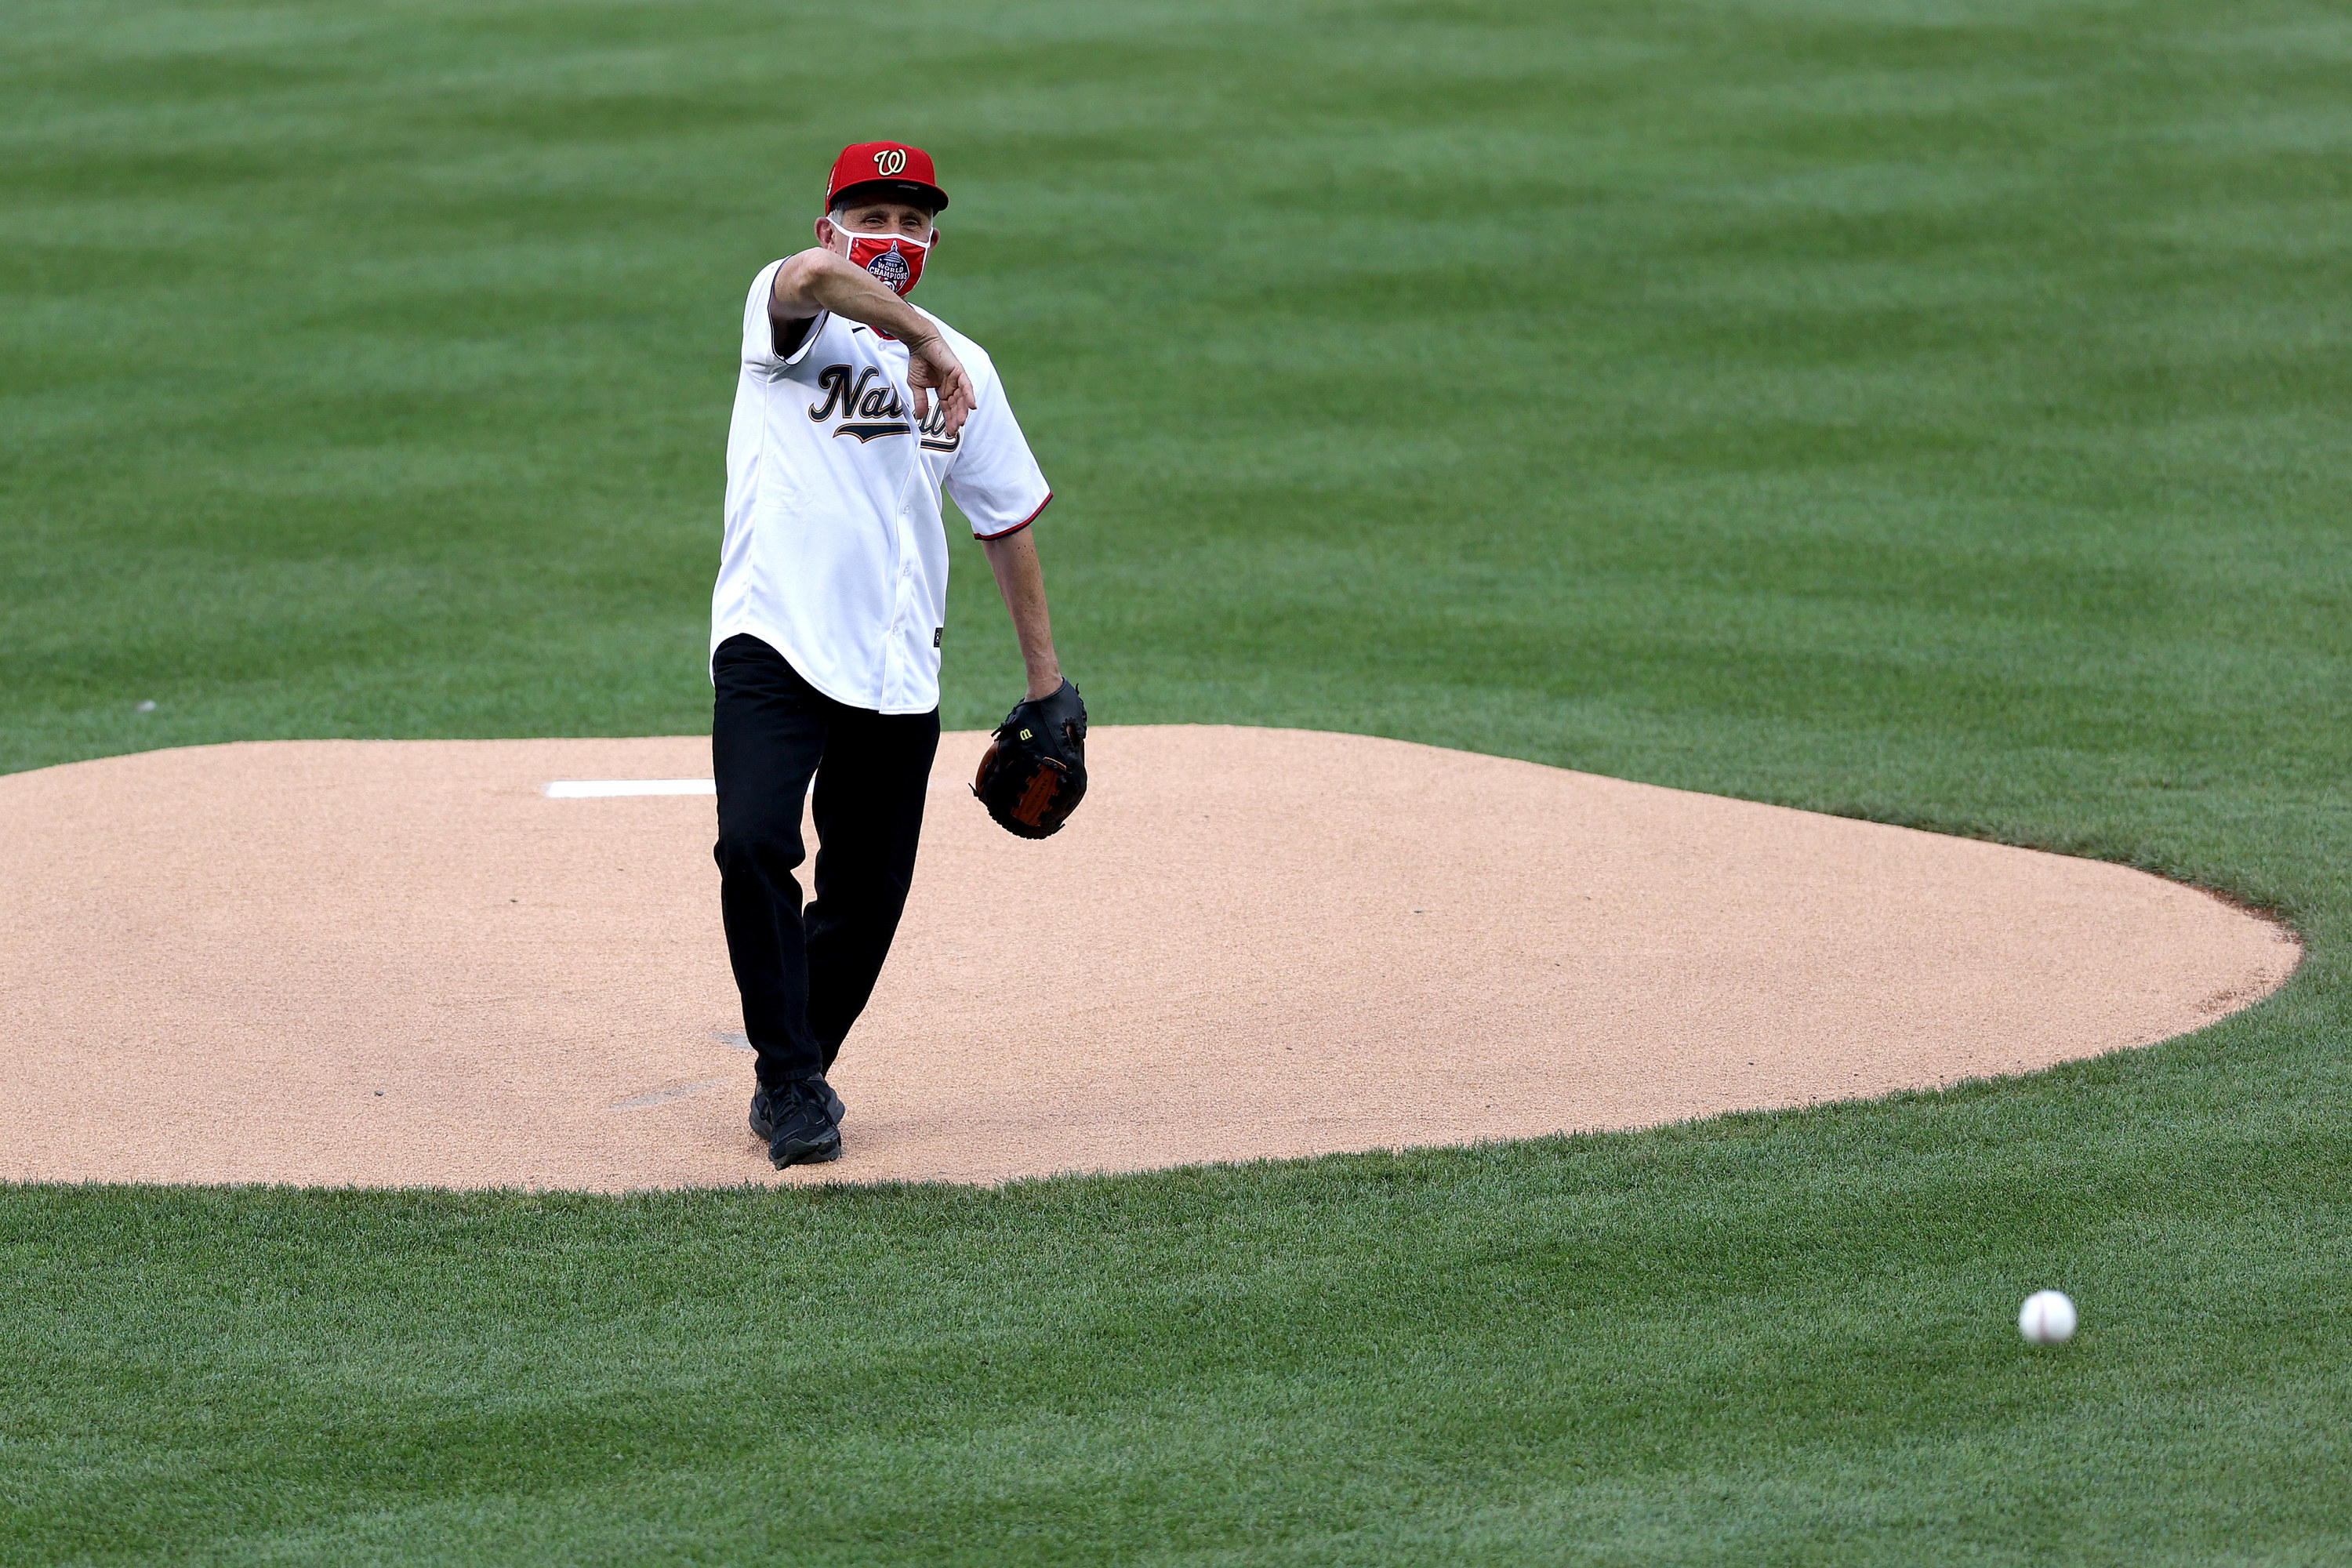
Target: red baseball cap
895	171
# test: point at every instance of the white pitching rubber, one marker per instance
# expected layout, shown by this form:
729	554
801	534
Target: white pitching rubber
597	789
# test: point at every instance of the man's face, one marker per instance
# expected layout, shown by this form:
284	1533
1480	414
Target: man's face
833	231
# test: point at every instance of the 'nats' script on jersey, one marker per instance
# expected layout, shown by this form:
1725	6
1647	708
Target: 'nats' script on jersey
836	555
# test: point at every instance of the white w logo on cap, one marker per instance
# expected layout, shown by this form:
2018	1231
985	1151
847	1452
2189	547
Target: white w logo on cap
890	160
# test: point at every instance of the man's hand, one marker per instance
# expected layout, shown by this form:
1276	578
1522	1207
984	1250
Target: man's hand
932	364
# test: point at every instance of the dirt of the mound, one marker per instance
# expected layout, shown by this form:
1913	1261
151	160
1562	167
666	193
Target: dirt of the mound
402	962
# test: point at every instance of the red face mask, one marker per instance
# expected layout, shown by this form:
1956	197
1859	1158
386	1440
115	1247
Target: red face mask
895	260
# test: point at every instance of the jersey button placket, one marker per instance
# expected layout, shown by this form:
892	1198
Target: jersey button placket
902	606
895	370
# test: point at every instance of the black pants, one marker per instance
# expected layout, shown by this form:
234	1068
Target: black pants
804	979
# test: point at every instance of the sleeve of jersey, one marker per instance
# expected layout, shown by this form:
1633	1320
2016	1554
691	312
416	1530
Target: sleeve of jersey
995	481
760	328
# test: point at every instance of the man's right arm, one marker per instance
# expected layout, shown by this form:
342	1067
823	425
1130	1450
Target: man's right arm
817	279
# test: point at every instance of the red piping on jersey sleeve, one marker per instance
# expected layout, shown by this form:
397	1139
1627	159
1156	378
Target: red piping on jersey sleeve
1017	527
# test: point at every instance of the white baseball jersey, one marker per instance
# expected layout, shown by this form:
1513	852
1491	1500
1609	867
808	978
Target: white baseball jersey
836	553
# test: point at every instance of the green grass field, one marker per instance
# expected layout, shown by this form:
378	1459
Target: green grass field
1930	410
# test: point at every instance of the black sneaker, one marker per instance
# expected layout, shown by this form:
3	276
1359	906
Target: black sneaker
801	1120
763	1122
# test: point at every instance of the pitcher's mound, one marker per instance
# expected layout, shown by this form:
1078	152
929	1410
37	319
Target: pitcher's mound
405	962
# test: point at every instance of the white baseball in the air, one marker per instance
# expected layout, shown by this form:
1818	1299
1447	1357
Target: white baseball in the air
2047	1318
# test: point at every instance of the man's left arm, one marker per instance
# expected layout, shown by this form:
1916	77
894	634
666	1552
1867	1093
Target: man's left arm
995	479
1022	579
1034	773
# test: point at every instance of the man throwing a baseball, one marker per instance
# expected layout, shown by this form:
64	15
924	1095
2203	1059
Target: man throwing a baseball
853	410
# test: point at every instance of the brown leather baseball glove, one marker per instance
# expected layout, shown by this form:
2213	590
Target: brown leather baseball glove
1034	773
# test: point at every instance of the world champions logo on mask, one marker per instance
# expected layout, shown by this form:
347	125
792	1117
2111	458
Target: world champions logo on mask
891	271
